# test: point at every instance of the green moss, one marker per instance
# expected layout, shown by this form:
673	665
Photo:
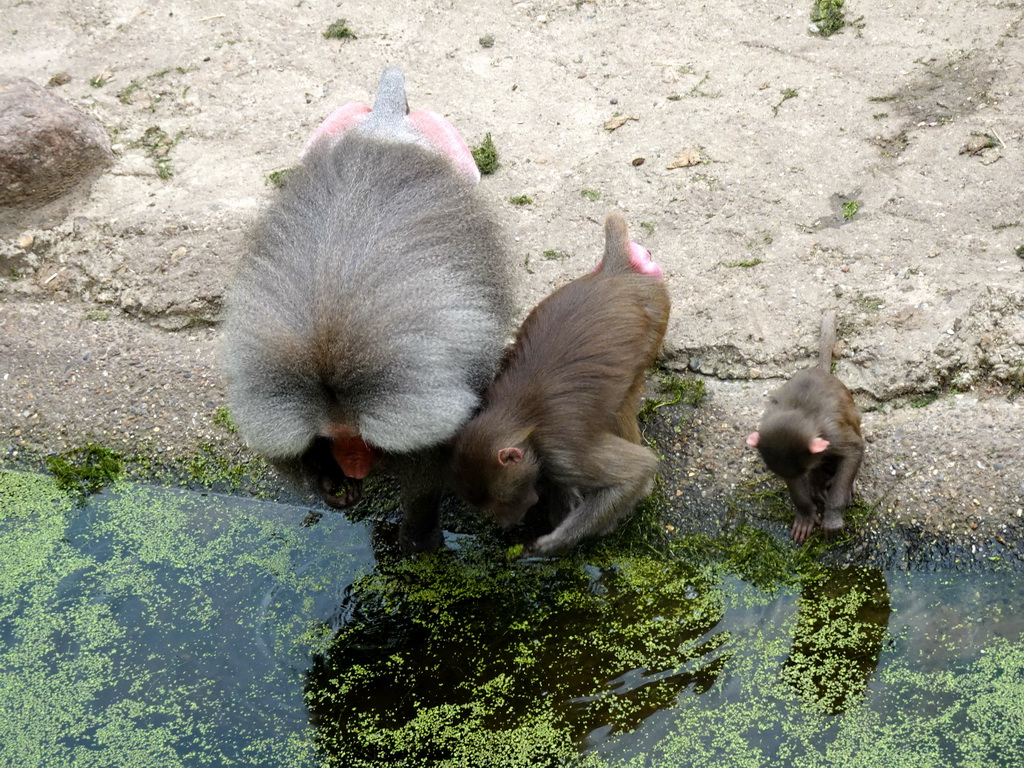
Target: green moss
279	178
553	255
754	556
850	208
157	145
96	315
590	194
485	155
745	264
209	468
339	30
924	400
222	418
855	518
870	304
828	17
521	200
487	41
98	81
125	94
647	228
85	470
641	534
673	389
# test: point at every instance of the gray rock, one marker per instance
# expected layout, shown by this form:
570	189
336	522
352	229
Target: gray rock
47	147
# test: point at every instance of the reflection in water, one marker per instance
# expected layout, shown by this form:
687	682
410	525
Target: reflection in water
838	639
453	650
156	627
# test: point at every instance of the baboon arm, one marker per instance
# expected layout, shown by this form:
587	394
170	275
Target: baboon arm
628	476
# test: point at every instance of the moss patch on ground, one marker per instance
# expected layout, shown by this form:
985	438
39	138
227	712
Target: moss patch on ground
672	389
85	470
485	154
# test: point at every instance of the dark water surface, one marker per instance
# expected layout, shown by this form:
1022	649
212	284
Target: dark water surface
155	627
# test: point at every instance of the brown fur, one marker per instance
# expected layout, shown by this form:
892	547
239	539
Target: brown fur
814	405
566	401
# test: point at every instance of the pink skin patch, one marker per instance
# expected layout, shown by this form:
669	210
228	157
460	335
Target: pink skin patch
444	137
354	456
642	262
440	134
340	120
639	259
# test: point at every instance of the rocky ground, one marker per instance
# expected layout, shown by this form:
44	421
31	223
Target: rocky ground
772	172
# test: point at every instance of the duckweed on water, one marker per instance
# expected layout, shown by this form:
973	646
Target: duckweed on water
157	628
135	632
458	660
492	664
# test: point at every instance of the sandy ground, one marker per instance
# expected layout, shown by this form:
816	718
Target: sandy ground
914	117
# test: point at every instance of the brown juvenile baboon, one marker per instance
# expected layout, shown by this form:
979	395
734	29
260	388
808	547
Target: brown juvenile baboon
559	422
810	437
372	308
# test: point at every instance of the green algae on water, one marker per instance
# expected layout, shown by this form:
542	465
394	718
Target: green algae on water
158	628
137	630
473	642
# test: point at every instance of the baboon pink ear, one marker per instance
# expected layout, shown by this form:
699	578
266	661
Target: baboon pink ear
752	439
508	456
818	445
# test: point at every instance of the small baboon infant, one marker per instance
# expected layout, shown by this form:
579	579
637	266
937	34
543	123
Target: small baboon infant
810	437
558	425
